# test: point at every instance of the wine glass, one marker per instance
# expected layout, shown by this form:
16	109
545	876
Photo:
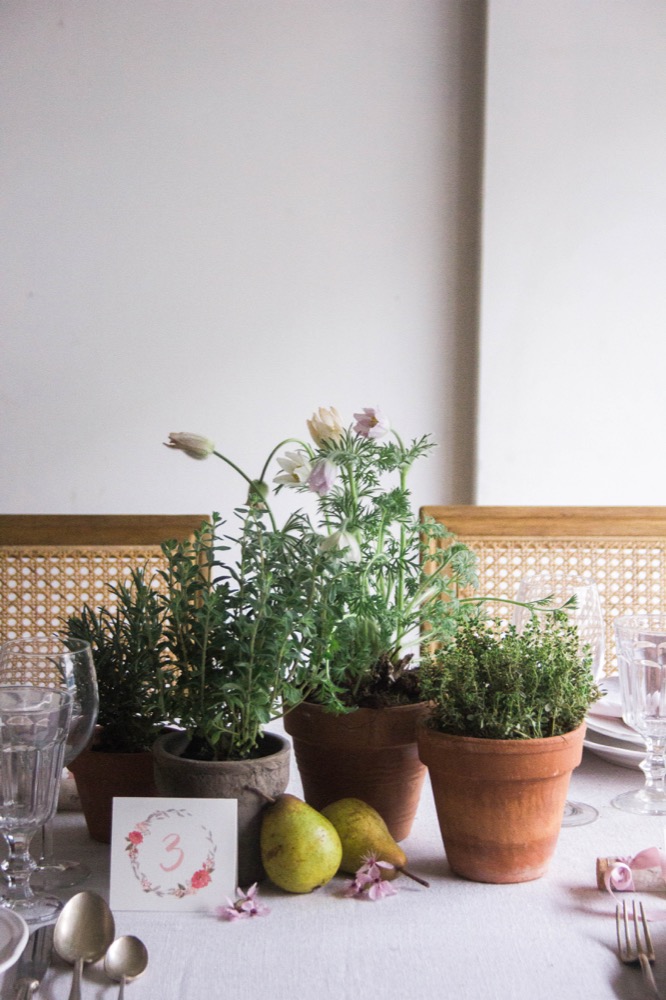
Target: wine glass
587	616
34	722
50	661
641	660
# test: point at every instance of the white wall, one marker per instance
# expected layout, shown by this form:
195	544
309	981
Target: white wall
219	215
573	304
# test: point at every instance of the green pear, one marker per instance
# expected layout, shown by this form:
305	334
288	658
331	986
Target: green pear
300	848
362	831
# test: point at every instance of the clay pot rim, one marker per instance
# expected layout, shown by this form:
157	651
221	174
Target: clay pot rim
91	751
371	728
360	709
160	750
478	744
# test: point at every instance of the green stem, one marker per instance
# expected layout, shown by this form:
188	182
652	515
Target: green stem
233	465
400	585
399	440
277	448
532	606
253	489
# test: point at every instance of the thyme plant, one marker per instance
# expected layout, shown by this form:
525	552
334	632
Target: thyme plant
506	685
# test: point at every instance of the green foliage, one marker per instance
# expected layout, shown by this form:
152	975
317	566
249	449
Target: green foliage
385	597
240	636
340	602
125	640
226	642
506	685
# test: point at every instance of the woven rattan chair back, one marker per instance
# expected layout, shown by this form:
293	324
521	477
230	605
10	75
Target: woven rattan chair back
622	548
52	564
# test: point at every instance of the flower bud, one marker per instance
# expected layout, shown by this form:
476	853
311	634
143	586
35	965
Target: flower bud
326	425
257	493
322	477
193	445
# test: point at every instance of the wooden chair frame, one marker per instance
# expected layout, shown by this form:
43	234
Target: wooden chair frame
623	549
51	564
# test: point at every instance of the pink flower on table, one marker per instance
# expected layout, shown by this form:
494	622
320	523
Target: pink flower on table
247	905
322	477
371	423
193	445
379	889
135	837
326	425
369	882
200	879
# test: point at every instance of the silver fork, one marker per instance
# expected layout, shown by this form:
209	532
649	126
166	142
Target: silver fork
637	947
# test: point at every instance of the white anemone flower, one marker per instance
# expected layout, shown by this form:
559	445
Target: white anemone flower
343	542
295	467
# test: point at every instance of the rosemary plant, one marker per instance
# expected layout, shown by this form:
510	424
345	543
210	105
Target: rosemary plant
126	643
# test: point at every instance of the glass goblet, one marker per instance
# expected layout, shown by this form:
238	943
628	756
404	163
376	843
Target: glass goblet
65	664
587	616
34	722
641	661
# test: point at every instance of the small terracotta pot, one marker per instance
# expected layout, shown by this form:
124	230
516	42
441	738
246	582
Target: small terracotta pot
499	802
368	754
250	782
100	776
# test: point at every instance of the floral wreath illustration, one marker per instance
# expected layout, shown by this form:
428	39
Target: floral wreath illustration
199	878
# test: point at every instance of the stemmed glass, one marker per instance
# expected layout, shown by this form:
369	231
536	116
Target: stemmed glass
50	661
641	660
34	722
588	618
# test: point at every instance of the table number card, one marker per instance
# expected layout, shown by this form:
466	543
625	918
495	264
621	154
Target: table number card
173	854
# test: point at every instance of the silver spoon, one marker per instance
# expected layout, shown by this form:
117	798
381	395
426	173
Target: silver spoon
125	960
83	932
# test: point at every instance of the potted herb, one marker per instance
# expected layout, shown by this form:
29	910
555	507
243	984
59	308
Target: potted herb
125	638
237	636
354	732
505	731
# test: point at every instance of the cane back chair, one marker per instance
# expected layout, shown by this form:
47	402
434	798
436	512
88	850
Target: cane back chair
52	564
622	548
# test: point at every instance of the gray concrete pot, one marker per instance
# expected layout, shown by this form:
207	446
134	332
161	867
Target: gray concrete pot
250	782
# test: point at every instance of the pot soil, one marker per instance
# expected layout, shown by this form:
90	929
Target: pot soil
251	782
499	802
369	754
102	775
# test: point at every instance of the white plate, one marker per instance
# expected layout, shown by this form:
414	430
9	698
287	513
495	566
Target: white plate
614	751
13	936
610	706
614	728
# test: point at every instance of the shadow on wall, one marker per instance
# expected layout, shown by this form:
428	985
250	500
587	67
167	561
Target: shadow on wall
465	234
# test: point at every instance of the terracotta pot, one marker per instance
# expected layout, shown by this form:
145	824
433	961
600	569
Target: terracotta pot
100	776
368	754
250	782
499	802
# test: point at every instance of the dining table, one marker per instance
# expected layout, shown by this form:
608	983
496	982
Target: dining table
548	939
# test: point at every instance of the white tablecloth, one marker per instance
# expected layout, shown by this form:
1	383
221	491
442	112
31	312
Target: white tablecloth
552	939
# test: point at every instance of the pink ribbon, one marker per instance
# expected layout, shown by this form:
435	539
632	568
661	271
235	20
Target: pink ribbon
620	876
